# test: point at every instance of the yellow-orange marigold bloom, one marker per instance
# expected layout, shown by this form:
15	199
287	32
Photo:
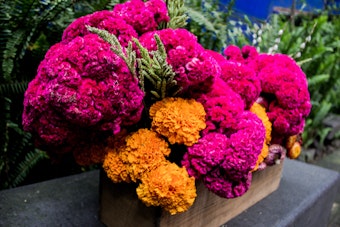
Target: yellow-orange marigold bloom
180	120
141	152
294	151
260	112
291	141
144	151
168	186
114	167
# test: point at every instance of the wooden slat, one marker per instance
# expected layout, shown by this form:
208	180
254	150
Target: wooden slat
212	210
120	206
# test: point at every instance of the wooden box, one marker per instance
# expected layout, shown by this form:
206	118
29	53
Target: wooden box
120	206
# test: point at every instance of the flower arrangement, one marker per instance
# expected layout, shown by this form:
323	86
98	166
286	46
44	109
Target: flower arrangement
132	90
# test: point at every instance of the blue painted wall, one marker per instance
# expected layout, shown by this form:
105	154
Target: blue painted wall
261	9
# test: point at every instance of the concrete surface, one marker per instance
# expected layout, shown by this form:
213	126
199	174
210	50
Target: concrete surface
304	198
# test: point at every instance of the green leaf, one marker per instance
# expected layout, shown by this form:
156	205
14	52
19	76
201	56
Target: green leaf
317	79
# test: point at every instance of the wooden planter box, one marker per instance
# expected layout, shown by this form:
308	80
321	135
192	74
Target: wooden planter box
120	206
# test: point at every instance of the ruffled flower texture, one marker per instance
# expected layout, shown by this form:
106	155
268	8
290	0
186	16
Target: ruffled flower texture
282	77
179	120
140	152
231	144
240	77
168	186
222	105
103	20
195	67
244	55
283	85
80	86
142	16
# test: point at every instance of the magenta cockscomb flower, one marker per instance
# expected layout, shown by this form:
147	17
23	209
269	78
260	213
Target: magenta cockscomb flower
103	20
242	79
225	162
142	16
233	53
222	105
220	184
249	53
192	64
285	85
206	155
246	143
81	84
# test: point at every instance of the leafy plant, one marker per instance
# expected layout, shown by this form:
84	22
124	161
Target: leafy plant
208	21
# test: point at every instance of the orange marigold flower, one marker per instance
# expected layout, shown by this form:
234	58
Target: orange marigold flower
141	152
168	186
144	151
291	141
180	120
114	167
294	151
260	112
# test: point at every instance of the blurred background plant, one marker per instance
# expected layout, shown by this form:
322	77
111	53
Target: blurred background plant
29	27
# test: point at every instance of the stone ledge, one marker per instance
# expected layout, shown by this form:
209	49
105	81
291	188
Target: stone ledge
304	198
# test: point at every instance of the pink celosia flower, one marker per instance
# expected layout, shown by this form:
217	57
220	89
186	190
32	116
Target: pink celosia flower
142	16
225	162
103	20
193	65
222	105
233	53
246	144
219	183
206	155
81	84
242	79
285	85
249	53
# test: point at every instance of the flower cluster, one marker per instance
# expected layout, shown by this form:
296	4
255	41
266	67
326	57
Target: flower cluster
193	65
80	85
179	120
142	16
168	186
228	114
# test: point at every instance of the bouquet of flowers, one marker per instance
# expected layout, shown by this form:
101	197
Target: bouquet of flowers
131	89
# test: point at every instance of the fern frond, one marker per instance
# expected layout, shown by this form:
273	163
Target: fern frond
23	168
13	88
24	19
200	19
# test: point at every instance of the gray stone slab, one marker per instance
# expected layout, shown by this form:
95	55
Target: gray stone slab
304	198
68	201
